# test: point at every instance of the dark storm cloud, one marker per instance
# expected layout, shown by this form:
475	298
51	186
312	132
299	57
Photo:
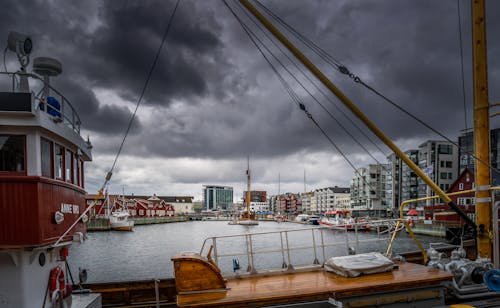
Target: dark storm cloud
408	50
60	30
212	94
129	39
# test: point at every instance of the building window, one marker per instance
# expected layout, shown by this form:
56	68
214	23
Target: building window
443	175
445	149
449	164
12	156
461	186
46	157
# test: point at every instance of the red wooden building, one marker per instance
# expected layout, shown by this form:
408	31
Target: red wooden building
137	207
466	201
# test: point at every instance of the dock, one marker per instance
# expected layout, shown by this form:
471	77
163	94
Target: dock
411	283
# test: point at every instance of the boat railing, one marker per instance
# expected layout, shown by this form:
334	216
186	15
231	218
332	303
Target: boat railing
290	250
58	107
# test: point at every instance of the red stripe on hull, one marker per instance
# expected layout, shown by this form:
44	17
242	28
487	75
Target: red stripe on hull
28	205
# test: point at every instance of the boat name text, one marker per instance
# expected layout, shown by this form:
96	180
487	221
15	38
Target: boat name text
70	208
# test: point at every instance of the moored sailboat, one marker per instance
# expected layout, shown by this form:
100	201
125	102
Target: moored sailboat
247	218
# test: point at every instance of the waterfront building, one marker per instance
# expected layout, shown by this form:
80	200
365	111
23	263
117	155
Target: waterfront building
368	191
140	206
466	149
286	204
439	160
259	207
180	204
393	183
255	196
272	203
466	202
328	198
409	179
216	197
305	199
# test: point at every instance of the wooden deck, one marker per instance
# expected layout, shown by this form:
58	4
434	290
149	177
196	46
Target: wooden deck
313	286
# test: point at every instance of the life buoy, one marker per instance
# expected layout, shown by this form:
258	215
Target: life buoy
57	282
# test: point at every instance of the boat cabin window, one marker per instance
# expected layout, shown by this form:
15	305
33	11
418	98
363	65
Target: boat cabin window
68	162
46	155
81	182
75	170
58	162
12	154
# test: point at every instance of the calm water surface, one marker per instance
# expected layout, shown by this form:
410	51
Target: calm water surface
145	253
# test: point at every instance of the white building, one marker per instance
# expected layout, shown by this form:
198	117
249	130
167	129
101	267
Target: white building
306	203
368	191
259	207
330	198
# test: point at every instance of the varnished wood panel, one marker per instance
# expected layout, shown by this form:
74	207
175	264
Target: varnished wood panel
195	273
315	285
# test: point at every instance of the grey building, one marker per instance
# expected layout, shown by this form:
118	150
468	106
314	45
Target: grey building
217	197
439	160
409	179
368	191
466	149
393	183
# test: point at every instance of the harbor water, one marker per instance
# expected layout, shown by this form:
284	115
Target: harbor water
146	252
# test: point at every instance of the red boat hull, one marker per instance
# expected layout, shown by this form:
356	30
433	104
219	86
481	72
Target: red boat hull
28	205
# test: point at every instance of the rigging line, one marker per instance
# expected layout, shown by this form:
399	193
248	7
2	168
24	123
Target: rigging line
294	95
308	92
306	41
148	78
327	58
343	69
317	88
462	63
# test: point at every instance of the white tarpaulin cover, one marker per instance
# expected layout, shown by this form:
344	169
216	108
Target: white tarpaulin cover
353	266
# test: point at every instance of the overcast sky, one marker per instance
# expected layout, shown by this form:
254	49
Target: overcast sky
213	100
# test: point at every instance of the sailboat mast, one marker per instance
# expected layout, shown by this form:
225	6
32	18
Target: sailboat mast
248	187
481	130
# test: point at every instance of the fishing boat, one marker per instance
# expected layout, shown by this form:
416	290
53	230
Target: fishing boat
118	220
199	276
42	204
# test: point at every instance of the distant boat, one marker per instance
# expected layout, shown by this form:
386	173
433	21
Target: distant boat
302	218
247	218
340	219
118	220
248	222
314	219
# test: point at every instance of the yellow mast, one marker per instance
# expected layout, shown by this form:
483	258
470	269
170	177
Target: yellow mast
354	109
481	131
